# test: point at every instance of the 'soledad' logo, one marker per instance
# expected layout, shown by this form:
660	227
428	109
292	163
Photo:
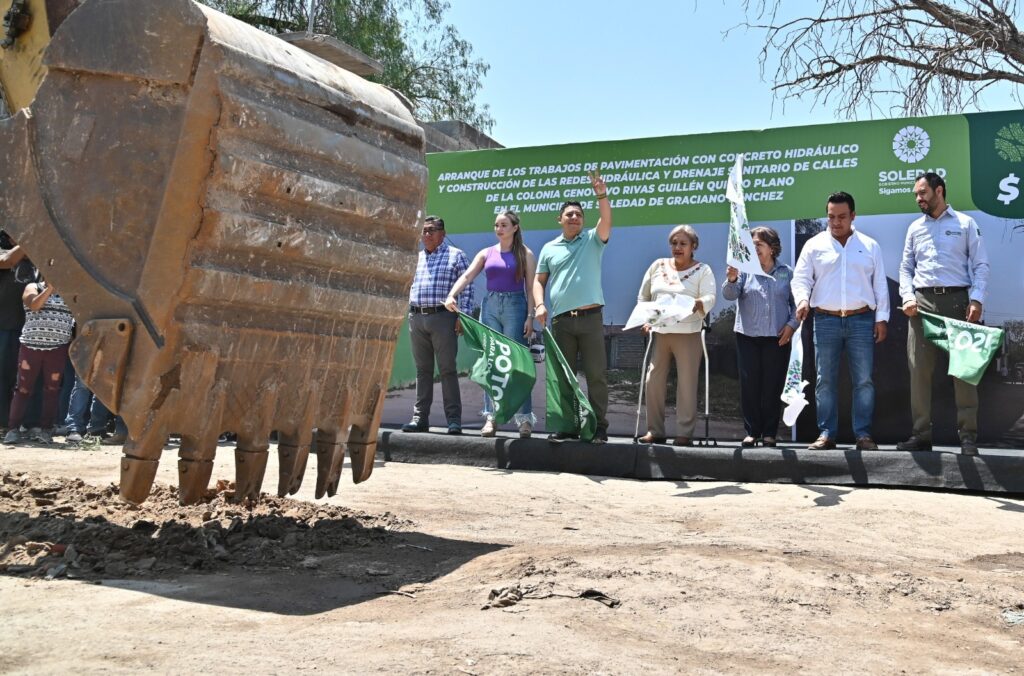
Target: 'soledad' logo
911	144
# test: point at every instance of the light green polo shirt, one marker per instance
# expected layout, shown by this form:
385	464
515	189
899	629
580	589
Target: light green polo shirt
574	271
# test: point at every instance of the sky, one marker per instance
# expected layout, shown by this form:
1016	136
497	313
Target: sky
565	71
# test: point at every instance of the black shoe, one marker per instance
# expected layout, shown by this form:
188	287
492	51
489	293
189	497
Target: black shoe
562	436
915	443
969	447
454	428
600	438
416	425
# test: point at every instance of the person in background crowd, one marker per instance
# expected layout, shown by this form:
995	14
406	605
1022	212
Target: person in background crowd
433	330
765	322
944	270
509	267
43	353
572	264
841	275
679	275
12	318
87	415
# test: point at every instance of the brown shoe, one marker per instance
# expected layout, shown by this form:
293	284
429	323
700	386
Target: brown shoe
822	443
651	439
682	441
769	441
915	443
748	442
866	444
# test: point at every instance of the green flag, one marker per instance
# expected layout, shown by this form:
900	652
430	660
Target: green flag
505	368
970	346
568	410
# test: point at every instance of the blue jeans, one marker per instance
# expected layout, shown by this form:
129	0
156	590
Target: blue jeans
82	402
505	312
856	335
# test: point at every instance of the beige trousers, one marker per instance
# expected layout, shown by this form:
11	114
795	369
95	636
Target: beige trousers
686	349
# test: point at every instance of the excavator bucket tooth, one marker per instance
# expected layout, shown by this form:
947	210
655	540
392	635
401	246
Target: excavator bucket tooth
291	467
250	466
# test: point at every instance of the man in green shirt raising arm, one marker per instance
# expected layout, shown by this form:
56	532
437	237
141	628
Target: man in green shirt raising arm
572	264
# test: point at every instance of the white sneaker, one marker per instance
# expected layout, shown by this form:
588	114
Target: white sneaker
488	429
525	430
13	436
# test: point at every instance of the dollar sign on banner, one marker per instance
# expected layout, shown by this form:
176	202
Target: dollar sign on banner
1008	189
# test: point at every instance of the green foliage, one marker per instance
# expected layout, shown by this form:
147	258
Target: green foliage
423	57
1010	142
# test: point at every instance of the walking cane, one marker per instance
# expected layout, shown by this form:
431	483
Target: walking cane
707	440
643	379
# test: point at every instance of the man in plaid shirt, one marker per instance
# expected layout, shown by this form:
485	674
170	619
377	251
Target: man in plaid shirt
433	330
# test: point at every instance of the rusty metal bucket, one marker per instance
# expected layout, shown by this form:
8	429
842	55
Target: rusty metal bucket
233	223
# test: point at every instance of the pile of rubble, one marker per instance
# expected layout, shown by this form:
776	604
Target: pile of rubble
68	528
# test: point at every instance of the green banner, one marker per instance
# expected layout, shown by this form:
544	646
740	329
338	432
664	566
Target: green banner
788	172
997	158
505	368
568	411
970	346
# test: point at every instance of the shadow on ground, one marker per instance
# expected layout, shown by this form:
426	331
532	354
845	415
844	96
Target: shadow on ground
280	555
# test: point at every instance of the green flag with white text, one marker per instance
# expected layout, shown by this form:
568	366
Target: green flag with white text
970	346
505	368
568	410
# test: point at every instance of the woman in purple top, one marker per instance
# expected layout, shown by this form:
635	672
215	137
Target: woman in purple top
509	267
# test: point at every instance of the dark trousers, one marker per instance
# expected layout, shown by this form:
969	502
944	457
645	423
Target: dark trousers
922	356
582	337
9	345
433	337
33	364
762	365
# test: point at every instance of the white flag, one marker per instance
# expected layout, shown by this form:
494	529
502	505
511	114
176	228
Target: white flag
740	253
793	392
665	311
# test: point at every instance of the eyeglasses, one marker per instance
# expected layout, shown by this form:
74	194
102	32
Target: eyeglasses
431	231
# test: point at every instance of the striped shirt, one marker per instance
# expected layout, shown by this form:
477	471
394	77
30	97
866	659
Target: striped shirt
765	304
436	274
50	326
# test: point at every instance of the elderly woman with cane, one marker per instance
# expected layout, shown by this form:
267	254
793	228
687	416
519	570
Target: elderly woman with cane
680	275
765	322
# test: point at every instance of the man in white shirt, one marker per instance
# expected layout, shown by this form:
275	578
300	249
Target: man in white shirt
841	275
944	270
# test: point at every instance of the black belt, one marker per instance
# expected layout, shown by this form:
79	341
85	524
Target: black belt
943	290
580	313
427	310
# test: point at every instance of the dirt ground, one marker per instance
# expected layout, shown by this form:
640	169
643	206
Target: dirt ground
588	575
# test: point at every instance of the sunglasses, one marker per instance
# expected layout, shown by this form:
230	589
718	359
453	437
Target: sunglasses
431	231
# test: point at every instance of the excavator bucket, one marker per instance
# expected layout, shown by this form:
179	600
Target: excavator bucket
233	223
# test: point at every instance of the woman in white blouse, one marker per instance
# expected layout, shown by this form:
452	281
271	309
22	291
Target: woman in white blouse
679	275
